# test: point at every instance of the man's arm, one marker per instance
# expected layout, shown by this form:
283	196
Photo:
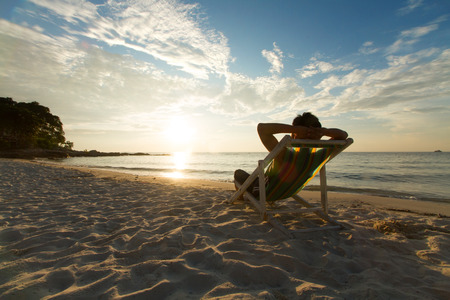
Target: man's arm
266	132
333	133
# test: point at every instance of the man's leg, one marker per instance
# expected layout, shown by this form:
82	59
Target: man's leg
241	176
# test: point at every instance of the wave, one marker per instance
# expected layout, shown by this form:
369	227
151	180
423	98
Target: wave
162	170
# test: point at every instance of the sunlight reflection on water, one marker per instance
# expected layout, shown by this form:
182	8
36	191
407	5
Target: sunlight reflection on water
179	161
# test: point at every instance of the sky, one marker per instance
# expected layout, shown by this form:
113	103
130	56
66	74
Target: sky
182	75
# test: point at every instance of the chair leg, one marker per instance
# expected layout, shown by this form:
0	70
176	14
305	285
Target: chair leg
323	190
319	213
262	186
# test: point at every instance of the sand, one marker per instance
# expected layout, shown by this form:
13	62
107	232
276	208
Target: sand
70	233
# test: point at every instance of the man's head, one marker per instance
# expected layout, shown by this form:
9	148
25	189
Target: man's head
307	120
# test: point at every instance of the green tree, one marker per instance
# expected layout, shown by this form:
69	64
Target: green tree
29	125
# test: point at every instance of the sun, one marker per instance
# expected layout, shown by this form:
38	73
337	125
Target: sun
180	131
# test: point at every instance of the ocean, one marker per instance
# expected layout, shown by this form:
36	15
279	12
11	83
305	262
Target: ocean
419	176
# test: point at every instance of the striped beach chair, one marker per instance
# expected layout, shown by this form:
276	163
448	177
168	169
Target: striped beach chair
308	158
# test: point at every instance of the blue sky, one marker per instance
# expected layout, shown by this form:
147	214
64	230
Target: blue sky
164	76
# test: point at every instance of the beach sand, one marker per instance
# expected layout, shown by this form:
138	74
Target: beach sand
76	233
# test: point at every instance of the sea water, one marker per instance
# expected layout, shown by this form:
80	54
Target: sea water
422	176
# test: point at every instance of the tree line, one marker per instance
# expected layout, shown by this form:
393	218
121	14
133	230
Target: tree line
29	125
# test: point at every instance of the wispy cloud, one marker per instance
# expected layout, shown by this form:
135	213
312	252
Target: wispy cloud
275	58
74	12
246	96
410	6
408	81
319	67
409	37
368	48
83	81
167	30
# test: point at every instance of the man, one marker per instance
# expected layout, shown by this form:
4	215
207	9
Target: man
306	126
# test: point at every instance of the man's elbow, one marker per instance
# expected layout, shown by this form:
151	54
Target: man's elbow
344	135
260	128
338	134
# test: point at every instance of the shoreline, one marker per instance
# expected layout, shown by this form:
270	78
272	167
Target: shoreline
69	232
401	184
408	205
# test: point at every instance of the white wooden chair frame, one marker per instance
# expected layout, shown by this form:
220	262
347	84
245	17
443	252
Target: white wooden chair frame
268	214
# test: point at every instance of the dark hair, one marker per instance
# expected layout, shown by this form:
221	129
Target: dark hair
307	120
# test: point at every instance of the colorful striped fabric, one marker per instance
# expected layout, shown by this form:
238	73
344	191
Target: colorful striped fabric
298	167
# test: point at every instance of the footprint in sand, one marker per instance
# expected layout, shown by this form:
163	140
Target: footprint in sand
10	235
60	280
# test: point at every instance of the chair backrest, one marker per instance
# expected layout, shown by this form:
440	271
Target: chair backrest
302	160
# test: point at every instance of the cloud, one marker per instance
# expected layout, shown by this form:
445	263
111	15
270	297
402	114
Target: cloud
73	12
244	96
353	78
275	58
93	90
418	31
412	58
167	30
410	37
420	77
318	67
427	110
84	84
367	48
85	72
410	6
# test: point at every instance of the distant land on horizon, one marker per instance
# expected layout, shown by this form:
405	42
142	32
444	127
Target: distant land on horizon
60	153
